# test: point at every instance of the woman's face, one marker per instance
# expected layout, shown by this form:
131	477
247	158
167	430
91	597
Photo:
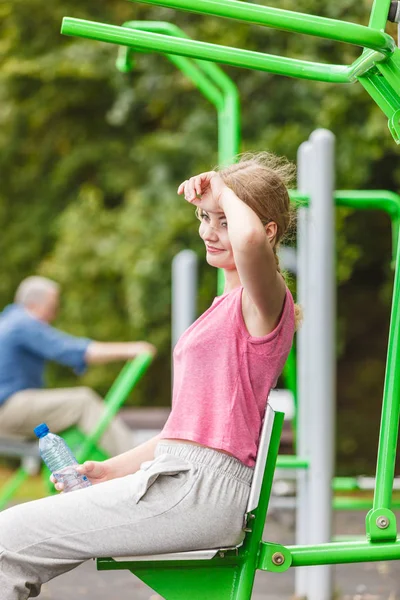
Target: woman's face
213	231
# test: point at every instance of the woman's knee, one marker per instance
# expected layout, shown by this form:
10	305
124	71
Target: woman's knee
13	524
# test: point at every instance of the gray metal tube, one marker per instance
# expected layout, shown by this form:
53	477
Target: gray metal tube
321	351
184	292
304	163
288	259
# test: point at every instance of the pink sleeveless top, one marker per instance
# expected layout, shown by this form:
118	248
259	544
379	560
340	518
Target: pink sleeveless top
223	375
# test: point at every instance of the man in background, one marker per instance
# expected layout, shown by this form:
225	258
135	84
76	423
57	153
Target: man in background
27	341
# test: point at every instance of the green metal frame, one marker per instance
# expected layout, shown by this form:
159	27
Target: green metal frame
386	201
382	200
380	521
231	575
87	447
377	68
210	80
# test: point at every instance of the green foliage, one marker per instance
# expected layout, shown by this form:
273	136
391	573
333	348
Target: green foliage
90	160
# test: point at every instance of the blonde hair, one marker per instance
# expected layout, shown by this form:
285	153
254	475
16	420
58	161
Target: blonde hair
261	180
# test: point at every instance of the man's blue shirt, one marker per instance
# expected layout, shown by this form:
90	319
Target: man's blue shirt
26	343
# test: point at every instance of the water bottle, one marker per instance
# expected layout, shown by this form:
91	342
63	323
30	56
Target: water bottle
59	459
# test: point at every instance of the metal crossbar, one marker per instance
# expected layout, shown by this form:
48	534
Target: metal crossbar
18	448
377	68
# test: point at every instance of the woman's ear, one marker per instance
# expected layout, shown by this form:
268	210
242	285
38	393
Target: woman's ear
271	230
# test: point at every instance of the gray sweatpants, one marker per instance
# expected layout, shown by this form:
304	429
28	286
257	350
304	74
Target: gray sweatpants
187	498
61	408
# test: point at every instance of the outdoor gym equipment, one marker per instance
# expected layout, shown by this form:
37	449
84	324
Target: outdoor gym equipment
231	573
219	573
377	68
210	80
87	447
316	342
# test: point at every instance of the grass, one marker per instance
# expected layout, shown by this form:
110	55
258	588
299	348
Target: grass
31	489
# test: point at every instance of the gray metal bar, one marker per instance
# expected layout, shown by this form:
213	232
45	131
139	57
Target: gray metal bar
18	448
184	292
304	162
321	313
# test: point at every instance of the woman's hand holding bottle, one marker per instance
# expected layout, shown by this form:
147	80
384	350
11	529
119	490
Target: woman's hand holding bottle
95	471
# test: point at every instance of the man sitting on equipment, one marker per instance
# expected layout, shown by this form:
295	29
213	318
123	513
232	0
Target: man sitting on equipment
27	341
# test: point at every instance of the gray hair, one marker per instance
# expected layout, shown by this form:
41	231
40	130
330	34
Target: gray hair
34	290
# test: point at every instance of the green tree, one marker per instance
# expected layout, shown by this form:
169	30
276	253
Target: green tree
90	160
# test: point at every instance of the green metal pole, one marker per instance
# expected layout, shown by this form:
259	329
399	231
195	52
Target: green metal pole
229	116
252	542
286	20
222	54
391	405
200	72
343	552
290	461
206	80
131	373
384	200
290	378
379	14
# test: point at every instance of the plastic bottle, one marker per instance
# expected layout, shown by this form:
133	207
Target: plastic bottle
59	459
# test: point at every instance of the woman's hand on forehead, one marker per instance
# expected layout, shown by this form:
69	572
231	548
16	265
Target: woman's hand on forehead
203	189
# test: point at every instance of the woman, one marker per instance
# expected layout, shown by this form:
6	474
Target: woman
188	487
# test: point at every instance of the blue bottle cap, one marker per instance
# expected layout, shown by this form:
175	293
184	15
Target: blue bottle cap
41	430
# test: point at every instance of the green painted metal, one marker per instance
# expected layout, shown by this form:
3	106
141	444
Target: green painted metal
358	503
352	503
212	82
222	54
286	20
379	14
267	558
290	378
198	581
345	484
380	58
291	461
343	552
381	525
256	521
129	376
384	200
391	405
388	202
87	447
377	68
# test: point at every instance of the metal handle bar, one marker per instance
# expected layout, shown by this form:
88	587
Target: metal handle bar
286	20
222	54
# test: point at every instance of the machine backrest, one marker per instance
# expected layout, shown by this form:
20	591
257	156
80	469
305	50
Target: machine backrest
261	459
